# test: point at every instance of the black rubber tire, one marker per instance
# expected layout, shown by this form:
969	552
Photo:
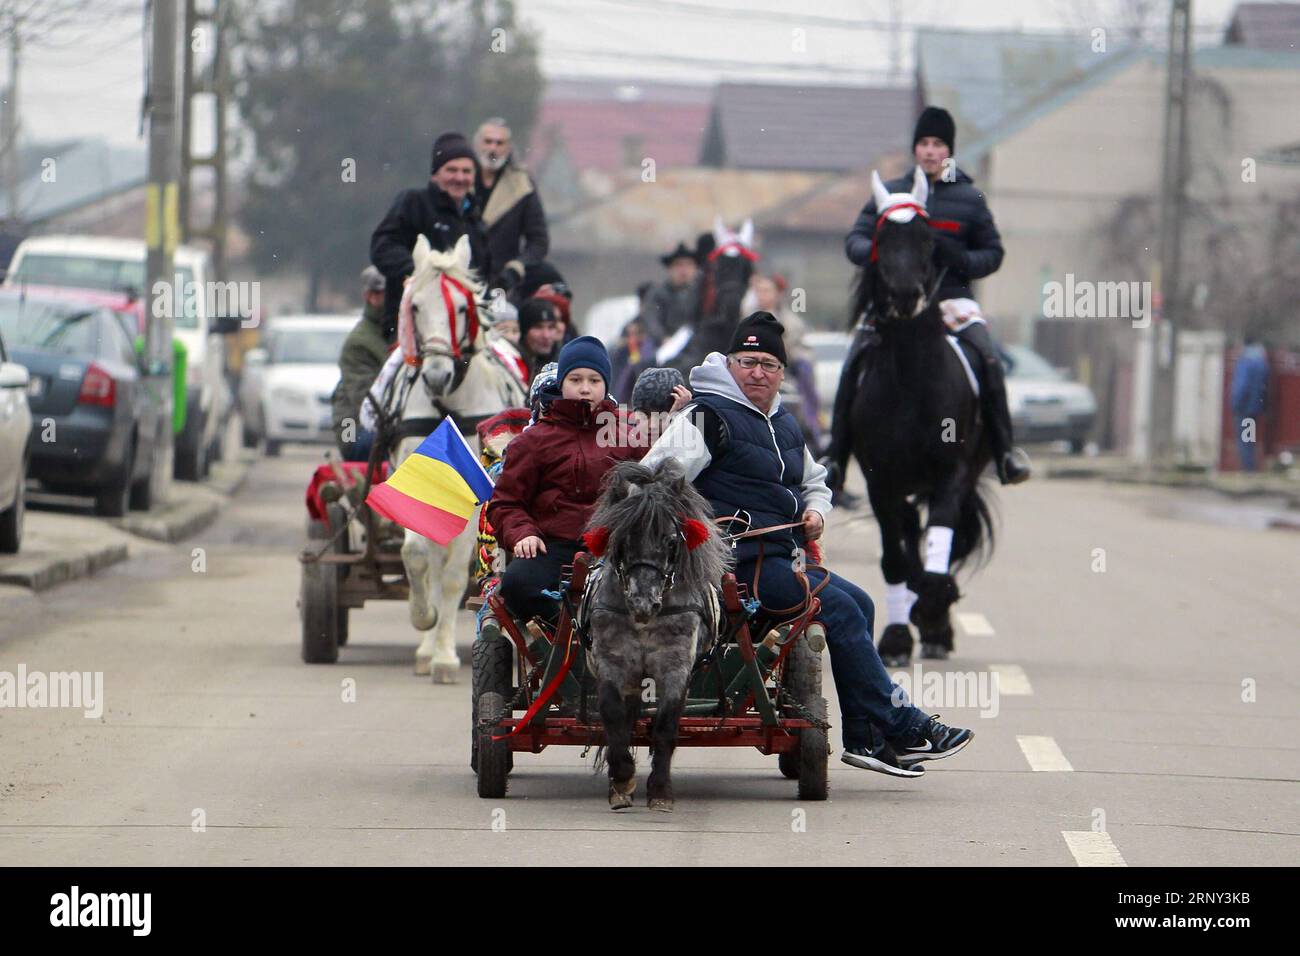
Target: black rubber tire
808	763
191	452
317	605
492	667
142	491
493	755
337	516
11	519
272	448
114	499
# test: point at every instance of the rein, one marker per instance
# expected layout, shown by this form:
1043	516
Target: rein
414	350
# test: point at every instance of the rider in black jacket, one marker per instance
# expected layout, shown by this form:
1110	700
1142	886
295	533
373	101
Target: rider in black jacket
442	211
968	247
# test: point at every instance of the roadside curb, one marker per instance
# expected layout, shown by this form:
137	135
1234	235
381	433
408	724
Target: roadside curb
43	570
196	509
1131	475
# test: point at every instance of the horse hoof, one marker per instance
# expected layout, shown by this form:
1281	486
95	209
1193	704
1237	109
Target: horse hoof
423	665
662	804
620	794
444	673
933	652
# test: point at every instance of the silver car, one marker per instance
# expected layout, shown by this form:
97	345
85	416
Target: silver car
1045	405
15	433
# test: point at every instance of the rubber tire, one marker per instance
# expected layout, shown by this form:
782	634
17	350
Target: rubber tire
1077	445
142	491
272	448
808	763
317	607
337	515
192	461
492	669
493	755
11	519
114	500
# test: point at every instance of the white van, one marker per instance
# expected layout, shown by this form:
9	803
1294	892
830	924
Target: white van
113	271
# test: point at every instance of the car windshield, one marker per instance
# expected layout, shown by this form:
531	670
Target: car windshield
65	329
104	275
1023	363
314	346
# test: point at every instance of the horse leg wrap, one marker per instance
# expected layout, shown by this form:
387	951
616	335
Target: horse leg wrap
938	548
898	602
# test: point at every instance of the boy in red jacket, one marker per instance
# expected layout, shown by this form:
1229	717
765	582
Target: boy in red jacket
552	477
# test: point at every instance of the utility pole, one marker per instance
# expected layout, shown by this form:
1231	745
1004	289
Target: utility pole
12	172
1173	200
161	226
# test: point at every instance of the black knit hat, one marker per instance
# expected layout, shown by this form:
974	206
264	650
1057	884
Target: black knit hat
450	146
533	311
653	391
759	332
936	121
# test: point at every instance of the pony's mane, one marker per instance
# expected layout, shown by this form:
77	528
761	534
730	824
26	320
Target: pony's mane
656	511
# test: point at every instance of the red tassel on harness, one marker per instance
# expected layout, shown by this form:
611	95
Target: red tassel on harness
596	540
696	533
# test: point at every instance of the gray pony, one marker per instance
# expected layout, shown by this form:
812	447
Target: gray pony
654	610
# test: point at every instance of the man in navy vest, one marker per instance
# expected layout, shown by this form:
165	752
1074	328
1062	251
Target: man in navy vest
746	455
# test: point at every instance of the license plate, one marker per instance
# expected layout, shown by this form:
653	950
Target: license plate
35	387
1050	415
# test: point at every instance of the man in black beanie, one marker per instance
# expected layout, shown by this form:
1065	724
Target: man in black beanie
967	247
443	211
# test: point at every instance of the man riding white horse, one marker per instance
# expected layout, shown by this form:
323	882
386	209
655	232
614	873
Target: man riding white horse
746	455
966	247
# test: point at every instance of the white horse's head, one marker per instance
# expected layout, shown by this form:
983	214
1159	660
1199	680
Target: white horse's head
438	324
728	243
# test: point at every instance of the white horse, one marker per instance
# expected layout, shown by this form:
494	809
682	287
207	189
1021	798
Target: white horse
451	365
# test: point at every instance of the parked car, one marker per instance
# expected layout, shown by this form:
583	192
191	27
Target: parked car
1045	405
116	267
15	432
98	420
288	381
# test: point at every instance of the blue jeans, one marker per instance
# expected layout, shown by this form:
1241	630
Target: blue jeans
866	693
359	450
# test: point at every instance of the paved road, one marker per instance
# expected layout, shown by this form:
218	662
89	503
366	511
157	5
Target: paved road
1132	676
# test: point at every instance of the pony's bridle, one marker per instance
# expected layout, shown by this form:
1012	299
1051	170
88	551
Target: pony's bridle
436	345
944	224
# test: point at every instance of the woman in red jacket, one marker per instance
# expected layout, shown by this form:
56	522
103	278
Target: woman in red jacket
552	477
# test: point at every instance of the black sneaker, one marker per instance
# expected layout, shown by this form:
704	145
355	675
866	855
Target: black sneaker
879	757
931	741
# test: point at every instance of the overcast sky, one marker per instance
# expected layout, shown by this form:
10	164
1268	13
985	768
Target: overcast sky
88	83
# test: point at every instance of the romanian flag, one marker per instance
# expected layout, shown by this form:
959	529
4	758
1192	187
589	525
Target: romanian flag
435	491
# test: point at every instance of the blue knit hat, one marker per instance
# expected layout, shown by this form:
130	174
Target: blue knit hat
586	351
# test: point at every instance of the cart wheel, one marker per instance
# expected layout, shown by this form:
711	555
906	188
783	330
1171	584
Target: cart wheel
341	624
336	517
317	605
493	755
492	671
808	762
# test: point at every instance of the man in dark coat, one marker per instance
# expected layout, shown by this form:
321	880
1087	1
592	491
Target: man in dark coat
746	455
968	248
675	301
442	212
363	355
512	211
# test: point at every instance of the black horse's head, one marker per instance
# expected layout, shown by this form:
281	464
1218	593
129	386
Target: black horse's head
901	274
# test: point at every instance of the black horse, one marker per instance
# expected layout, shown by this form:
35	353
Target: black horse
726	271
916	426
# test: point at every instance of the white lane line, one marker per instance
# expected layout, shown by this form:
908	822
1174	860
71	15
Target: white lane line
1012	680
1092	849
975	625
1043	753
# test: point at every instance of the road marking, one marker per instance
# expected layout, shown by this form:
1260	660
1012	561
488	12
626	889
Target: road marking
1012	680
975	625
1043	753
1092	849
